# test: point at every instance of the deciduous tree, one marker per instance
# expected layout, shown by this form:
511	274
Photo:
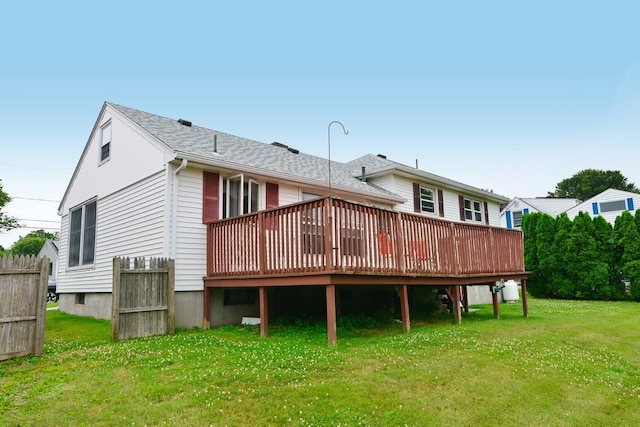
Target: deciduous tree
6	222
589	182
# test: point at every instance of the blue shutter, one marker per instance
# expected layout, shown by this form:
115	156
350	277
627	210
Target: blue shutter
509	224
630	204
595	208
525	211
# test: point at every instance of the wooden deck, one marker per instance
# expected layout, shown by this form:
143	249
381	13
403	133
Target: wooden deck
333	242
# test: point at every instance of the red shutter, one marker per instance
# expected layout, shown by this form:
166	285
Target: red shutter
416	197
486	213
440	204
273	200
461	203
210	197
273	196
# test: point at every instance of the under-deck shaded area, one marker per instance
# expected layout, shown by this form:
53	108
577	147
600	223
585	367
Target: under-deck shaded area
331	243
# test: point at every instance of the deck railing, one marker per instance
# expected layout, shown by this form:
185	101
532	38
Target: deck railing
333	235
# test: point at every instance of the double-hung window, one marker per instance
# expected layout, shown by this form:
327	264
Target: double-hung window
427	200
82	235
472	210
517	218
105	142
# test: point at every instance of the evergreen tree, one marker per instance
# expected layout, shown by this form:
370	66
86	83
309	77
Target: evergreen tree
545	233
605	242
627	251
528	228
589	275
561	285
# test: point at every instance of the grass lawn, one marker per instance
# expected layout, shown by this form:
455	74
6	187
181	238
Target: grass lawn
570	363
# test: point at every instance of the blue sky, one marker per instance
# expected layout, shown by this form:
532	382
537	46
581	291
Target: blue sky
508	96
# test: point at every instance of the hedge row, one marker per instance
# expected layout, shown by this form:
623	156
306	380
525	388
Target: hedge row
586	258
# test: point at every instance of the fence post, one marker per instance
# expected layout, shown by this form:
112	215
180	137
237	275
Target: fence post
171	309
43	287
115	299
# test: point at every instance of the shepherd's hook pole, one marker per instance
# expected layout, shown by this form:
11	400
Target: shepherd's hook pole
346	132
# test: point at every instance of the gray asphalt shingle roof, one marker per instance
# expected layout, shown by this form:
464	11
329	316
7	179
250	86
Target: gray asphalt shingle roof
197	141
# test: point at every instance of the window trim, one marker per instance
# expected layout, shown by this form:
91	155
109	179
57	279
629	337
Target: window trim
101	158
81	263
517	219
604	206
433	201
476	214
243	203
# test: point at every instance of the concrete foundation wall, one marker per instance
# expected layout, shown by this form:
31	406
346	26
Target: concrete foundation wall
221	314
189	307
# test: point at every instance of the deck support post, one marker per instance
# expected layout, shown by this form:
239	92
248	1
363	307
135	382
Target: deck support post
456	304
525	305
494	300
465	298
404	308
264	312
332	333
206	323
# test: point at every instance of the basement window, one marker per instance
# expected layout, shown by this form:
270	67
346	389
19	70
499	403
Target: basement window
80	299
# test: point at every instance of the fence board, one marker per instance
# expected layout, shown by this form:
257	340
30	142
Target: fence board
23	302
143	301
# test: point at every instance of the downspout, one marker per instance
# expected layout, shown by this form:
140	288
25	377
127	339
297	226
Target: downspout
174	209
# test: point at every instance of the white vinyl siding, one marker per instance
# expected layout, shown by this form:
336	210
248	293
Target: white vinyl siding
191	241
288	194
130	223
604	198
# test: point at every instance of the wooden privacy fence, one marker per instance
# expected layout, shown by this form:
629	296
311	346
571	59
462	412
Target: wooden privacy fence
23	303
142	298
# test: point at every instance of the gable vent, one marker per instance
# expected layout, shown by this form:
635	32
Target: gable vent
184	122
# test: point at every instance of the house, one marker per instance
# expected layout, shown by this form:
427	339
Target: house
50	250
152	186
511	214
609	204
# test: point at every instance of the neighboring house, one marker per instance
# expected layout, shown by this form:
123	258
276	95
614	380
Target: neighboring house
609	204
151	186
511	214
50	250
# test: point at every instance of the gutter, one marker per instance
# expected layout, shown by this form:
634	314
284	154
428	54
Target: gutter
174	209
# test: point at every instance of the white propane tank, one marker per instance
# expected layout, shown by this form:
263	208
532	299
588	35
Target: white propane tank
510	291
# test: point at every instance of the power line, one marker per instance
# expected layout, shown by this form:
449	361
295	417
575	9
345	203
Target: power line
39	228
38	220
38	200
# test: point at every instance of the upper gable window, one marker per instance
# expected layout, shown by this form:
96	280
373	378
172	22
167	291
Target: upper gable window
517	218
617	205
105	142
427	200
472	210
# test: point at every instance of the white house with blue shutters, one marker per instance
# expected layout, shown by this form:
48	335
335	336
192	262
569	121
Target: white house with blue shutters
511	214
609	204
